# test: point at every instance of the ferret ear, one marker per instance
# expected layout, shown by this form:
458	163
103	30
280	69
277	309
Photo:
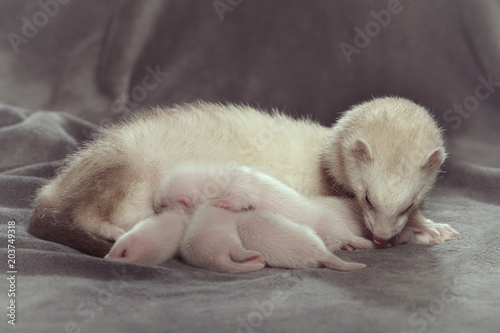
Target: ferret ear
362	151
434	160
185	201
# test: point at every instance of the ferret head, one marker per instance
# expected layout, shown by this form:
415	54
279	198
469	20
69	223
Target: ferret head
387	152
390	191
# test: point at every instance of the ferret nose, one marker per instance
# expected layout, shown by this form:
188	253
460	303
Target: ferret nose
379	240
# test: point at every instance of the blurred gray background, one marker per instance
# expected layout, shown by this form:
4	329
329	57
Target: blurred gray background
302	57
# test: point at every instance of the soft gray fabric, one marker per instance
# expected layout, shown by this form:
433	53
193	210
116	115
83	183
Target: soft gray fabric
90	55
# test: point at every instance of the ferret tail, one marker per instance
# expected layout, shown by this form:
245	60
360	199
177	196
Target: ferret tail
334	262
241	261
45	224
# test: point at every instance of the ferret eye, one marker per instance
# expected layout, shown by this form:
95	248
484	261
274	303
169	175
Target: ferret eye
368	200
407	209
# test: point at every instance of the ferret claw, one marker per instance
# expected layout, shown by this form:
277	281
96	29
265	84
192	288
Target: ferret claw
430	233
224	204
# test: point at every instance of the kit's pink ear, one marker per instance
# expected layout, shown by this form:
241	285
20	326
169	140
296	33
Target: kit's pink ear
185	201
434	160
362	151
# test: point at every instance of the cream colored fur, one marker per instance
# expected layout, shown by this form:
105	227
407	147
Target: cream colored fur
107	187
387	152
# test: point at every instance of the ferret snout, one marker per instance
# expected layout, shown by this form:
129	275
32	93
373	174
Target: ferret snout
382	235
378	225
379	240
383	229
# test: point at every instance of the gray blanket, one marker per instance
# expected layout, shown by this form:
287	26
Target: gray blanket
94	61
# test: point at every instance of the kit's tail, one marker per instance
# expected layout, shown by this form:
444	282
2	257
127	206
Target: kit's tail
334	262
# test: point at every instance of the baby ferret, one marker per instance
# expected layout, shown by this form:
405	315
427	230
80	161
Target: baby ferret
242	187
151	241
212	239
222	240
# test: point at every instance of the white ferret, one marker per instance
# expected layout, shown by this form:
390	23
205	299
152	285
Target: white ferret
226	241
153	240
107	186
242	188
222	240
212	238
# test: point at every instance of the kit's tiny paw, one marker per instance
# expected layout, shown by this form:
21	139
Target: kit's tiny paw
348	247
232	205
224	204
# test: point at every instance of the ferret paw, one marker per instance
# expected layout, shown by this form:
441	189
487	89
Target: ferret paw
446	232
363	243
348	247
224	204
242	256
431	233
232	206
